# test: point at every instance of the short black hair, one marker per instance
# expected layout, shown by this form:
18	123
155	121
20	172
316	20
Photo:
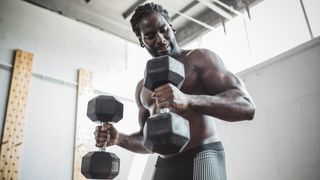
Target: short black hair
145	10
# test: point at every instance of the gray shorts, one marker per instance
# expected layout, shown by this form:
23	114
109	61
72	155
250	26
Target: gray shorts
205	162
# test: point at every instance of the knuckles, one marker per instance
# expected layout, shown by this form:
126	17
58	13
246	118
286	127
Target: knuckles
104	136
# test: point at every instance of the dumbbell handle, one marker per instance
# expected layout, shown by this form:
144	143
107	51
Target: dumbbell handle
164	110
103	148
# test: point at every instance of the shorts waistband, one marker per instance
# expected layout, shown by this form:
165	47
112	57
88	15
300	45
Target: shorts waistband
190	153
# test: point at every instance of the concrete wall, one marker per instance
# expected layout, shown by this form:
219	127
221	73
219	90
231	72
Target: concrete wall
61	46
282	142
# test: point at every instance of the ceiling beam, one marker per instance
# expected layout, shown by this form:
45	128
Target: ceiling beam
131	9
185	9
228	7
216	9
192	19
192	30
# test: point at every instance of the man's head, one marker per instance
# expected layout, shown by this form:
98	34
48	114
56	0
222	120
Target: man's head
151	24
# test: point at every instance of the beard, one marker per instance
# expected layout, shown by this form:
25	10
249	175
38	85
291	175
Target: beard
173	50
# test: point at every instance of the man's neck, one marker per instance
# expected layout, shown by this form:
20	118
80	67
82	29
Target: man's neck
177	53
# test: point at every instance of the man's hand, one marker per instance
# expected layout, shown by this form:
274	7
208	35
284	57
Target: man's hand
169	96
106	135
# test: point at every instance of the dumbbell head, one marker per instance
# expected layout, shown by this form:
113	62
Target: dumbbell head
100	165
105	109
166	133
162	70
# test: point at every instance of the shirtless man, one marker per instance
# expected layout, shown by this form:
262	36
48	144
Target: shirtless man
209	92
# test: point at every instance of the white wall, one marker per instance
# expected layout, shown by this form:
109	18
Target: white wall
61	46
275	27
282	142
5	77
313	14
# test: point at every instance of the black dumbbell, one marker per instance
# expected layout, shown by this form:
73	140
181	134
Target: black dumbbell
166	132
101	164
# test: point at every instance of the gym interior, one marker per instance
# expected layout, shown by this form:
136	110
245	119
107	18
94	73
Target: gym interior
57	55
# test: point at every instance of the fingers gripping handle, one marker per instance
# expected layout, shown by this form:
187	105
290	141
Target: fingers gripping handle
103	148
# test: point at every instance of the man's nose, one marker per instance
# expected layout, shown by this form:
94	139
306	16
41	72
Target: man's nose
160	38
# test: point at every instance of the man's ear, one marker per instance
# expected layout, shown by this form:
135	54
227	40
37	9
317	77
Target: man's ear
141	43
173	29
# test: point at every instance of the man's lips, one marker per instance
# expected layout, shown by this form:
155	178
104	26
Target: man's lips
163	48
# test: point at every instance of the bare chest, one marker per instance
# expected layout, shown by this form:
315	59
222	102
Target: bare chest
191	85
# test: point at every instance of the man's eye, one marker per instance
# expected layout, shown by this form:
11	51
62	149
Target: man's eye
164	29
149	37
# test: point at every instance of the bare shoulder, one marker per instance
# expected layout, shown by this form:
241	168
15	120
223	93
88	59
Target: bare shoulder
215	77
203	59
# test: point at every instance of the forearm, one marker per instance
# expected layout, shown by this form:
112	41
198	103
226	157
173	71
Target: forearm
133	142
230	105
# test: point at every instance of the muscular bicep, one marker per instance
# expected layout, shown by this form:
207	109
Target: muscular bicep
143	113
216	81
143	116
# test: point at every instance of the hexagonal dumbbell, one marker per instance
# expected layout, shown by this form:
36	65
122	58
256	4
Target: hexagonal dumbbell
100	164
166	132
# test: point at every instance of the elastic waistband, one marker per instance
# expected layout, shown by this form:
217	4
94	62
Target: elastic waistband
190	153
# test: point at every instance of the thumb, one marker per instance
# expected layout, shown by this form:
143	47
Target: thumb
105	127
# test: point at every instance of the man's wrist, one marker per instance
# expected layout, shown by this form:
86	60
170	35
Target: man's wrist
120	140
189	102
